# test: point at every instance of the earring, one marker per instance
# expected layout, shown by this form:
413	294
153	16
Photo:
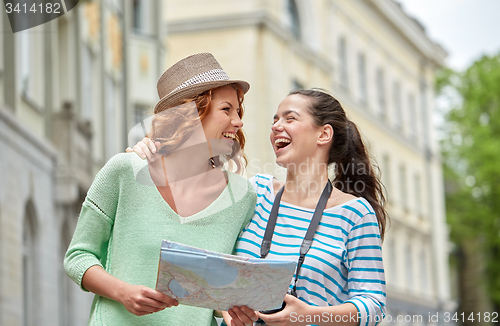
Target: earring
212	162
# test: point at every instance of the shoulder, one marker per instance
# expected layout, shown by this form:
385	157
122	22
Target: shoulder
262	181
109	180
339	198
359	212
239	184
117	164
364	223
358	206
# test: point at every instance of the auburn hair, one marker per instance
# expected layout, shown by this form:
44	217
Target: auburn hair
176	125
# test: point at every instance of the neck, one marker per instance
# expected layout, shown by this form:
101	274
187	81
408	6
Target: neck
187	165
306	181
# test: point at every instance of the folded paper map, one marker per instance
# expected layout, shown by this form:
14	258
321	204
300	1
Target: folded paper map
202	278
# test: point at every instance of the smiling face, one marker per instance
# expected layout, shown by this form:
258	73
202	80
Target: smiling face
294	135
223	121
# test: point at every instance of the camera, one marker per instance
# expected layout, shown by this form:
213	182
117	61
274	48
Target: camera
273	311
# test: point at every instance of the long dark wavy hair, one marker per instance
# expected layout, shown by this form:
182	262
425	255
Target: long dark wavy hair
354	172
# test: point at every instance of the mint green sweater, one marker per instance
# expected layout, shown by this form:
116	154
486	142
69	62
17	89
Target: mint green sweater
122	223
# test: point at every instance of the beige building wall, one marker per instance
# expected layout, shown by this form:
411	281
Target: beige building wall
254	40
70	90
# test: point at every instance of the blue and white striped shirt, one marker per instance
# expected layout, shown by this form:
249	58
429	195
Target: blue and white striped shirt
344	263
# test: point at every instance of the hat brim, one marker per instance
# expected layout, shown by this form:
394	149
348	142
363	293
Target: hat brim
177	97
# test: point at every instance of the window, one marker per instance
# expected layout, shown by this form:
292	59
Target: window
140	113
398	110
297	85
142	124
423	108
424	286
111	118
412	108
143	17
87	82
393	270
418	195
363	92
381	93
114	4
294	19
409	267
386	174
30	274
343	69
138	21
25	53
1	52
402	186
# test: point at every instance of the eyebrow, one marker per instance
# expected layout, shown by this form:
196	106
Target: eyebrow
287	112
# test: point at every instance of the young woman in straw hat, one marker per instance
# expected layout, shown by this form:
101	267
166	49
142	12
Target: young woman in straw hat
184	196
340	271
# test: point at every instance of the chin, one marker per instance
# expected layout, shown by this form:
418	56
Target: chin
281	162
220	148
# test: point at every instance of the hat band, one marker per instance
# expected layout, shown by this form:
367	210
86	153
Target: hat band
207	76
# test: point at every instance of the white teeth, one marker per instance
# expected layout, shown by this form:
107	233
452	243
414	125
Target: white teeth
282	140
229	135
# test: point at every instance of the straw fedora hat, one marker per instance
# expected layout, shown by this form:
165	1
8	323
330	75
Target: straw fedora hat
189	77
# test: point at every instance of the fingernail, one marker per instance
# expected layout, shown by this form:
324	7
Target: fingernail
143	156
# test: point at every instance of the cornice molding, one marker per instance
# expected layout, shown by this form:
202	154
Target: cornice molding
26	134
410	30
258	19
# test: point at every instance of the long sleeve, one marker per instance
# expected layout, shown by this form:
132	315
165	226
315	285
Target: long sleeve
366	279
92	234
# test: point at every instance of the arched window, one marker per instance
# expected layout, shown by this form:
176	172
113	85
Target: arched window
294	19
29	265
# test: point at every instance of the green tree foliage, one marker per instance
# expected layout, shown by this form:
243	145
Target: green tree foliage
471	152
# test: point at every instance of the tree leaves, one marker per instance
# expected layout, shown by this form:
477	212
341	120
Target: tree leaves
471	151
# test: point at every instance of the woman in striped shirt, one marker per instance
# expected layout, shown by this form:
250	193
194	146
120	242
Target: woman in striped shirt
341	280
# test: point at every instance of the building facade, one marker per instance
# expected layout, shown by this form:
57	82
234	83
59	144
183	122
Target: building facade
70	90
380	64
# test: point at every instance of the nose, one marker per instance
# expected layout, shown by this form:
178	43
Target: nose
277	126
236	121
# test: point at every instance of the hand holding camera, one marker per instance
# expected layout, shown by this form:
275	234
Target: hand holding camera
291	307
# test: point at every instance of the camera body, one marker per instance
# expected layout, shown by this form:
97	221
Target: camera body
273	311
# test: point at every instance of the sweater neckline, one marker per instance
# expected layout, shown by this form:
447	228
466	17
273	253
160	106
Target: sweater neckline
212	208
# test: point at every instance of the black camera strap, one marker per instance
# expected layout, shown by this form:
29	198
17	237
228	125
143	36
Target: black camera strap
313	225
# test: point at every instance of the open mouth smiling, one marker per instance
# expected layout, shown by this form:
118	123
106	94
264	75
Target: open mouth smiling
281	143
229	135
